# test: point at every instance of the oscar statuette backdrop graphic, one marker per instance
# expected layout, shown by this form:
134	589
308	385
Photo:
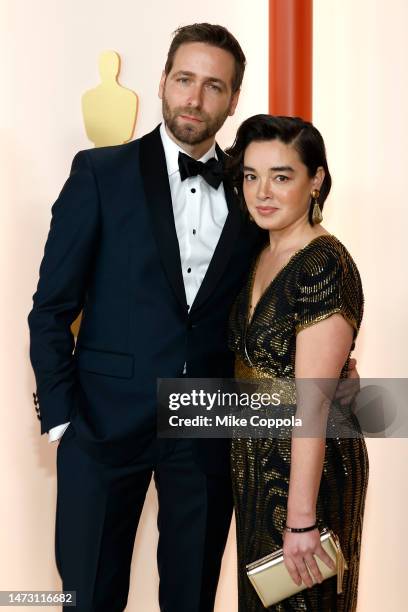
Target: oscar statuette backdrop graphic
109	110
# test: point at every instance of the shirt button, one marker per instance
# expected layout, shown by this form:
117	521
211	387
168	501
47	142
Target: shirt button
189	270
193	190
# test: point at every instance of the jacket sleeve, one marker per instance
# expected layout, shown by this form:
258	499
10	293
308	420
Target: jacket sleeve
63	279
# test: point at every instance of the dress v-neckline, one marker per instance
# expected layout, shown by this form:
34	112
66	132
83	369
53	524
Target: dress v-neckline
249	319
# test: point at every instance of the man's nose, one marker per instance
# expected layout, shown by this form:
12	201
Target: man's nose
195	96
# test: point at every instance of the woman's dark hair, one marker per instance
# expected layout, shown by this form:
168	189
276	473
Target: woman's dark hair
214	35
302	135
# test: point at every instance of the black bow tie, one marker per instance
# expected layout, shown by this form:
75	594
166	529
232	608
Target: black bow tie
211	171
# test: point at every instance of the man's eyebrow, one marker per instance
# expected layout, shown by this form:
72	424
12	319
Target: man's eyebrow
274	169
186	72
192	74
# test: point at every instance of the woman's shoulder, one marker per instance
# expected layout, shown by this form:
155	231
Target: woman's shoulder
329	282
327	252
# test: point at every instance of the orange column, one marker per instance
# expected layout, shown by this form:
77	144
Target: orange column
290	57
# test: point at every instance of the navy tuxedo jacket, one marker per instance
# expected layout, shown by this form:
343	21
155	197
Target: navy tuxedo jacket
112	251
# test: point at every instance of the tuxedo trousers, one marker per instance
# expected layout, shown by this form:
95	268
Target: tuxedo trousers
98	510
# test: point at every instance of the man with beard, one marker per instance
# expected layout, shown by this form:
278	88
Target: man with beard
148	241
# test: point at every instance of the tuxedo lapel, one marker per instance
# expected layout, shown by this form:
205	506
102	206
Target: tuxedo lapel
157	190
225	245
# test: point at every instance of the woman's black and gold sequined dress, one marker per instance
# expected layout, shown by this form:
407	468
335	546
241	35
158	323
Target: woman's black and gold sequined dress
319	280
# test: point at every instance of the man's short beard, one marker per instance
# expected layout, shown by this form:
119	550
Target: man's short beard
188	134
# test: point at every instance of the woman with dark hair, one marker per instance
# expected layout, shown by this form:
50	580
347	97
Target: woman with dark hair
296	317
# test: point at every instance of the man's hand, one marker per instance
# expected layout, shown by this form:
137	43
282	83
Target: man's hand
350	386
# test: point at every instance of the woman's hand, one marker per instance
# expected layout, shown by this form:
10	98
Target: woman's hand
298	555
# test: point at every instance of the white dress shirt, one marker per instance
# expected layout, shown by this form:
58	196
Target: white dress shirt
199	212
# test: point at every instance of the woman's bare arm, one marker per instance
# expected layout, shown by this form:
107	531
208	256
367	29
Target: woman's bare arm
321	351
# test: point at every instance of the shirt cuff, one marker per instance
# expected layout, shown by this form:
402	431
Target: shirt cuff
56	433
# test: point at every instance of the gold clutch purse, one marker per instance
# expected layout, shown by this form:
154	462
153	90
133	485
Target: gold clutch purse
272	581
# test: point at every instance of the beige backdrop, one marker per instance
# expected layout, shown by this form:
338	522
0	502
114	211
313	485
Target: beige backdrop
49	54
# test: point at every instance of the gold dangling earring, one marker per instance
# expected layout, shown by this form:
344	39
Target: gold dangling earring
317	216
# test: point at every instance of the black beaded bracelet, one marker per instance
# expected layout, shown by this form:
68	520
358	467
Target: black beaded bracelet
300	529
